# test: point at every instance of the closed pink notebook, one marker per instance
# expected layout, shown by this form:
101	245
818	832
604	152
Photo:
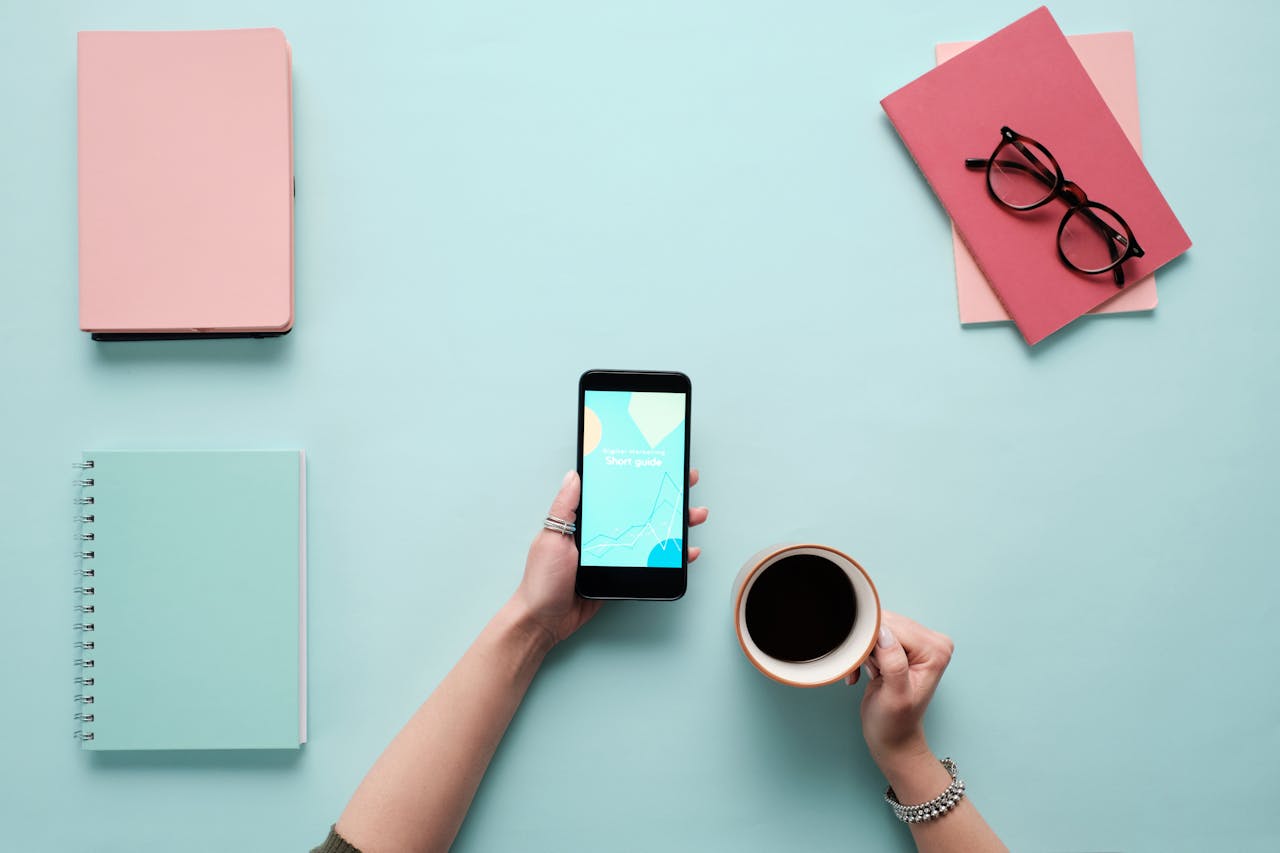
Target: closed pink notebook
1108	58
1027	77
186	183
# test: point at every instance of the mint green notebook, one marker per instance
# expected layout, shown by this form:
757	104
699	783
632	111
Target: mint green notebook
191	600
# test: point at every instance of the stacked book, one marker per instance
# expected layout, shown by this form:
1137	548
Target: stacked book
1030	141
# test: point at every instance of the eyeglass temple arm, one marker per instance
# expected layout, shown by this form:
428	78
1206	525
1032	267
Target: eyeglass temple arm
1117	274
981	163
1045	175
1049	180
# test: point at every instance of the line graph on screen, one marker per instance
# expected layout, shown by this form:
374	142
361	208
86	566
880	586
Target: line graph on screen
661	530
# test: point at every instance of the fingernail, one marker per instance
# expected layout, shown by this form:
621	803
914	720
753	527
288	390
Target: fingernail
567	478
886	637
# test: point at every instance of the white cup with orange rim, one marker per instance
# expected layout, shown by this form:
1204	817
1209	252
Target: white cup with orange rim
806	615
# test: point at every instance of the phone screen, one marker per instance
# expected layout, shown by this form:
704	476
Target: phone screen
633	476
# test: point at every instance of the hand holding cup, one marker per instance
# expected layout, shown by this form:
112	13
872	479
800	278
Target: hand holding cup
904	669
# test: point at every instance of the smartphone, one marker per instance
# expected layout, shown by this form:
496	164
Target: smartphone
633	458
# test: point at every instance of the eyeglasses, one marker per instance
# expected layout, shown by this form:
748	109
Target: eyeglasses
1022	175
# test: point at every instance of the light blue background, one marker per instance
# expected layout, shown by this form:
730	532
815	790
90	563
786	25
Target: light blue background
491	198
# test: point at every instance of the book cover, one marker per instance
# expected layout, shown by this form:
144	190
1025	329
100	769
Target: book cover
1109	60
185	182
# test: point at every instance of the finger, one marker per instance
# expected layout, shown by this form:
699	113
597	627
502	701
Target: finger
873	671
693	477
697	515
891	658
694	553
913	636
852	678
922	645
565	505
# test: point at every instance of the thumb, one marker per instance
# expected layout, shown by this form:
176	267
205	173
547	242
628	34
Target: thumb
565	505
891	659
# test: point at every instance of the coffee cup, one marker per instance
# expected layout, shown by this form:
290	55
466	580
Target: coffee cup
806	615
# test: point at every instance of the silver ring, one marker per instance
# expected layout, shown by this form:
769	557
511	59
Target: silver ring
559	525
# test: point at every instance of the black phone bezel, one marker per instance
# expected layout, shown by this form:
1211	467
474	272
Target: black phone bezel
635	582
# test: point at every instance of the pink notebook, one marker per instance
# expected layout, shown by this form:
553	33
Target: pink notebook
186	183
1108	58
1027	77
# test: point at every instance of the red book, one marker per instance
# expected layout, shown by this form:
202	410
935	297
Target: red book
1028	78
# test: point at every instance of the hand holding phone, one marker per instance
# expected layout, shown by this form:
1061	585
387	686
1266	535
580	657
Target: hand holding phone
546	591
633	459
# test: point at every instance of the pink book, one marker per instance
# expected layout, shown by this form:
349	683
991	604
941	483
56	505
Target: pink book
1027	77
1108	59
186	183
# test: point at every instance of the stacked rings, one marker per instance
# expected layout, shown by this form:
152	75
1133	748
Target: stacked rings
559	525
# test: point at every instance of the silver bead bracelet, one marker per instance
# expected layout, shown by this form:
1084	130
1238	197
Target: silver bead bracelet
936	807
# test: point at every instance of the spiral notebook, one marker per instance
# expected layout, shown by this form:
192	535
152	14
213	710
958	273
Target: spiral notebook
191	601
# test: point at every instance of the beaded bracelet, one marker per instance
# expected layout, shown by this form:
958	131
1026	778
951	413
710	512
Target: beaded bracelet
936	807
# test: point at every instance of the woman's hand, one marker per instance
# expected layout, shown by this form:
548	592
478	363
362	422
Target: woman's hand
547	592
904	671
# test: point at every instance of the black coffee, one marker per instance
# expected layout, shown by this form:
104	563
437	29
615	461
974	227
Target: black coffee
800	608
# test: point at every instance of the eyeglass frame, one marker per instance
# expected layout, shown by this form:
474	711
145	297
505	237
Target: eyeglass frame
1071	193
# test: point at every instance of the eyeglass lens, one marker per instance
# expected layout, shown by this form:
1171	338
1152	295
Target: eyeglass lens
1092	239
1022	176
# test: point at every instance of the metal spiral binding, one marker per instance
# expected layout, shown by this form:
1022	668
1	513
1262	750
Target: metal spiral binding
85	663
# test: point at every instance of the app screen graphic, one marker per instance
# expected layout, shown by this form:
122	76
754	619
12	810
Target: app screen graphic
633	479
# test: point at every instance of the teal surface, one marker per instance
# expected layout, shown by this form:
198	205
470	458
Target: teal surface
196	581
493	198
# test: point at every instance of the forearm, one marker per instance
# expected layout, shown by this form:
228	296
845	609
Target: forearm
417	793
917	776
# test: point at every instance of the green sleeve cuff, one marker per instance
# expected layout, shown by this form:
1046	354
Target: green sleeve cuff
335	843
